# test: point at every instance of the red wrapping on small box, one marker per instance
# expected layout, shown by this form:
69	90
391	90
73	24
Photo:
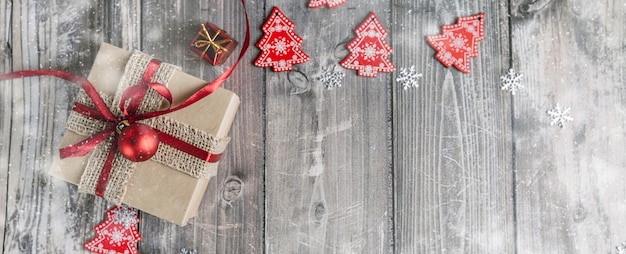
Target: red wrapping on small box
213	44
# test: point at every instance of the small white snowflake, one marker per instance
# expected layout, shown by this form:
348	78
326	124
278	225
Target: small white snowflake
331	78
511	81
126	216
621	249
185	251
560	115
408	77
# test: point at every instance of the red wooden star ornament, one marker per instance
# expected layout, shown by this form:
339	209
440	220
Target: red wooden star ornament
459	42
280	45
118	233
369	51
330	3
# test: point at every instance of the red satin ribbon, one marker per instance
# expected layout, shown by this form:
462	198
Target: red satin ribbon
129	103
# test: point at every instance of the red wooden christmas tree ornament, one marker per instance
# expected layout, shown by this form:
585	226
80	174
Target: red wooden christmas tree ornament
280	45
118	233
330	3
369	51
459	42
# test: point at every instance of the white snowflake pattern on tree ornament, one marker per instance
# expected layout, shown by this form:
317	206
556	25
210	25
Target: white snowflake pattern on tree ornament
408	77
459	43
560	115
511	81
280	45
330	3
117	236
369	52
331	78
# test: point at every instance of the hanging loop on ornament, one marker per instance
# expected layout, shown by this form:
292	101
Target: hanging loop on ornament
121	125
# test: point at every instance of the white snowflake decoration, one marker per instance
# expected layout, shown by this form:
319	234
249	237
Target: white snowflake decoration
126	216
331	78
621	249
408	77
511	81
185	251
560	115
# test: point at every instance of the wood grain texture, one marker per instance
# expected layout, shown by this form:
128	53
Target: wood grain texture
570	188
328	185
453	166
43	212
452	137
240	206
5	108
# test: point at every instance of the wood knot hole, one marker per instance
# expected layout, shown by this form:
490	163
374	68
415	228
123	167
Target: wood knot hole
299	80
580	213
319	211
232	189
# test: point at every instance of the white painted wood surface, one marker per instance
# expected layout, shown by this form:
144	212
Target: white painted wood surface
454	166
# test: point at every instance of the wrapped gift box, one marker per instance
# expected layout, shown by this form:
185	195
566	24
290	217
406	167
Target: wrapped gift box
213	44
171	190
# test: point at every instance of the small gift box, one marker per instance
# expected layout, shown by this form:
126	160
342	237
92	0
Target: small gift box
171	184
213	44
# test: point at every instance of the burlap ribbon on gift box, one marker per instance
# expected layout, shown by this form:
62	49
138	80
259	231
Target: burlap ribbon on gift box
122	168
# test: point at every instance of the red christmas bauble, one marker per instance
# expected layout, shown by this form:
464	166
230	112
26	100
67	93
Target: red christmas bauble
138	142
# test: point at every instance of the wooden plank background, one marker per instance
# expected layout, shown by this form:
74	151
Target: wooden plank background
455	165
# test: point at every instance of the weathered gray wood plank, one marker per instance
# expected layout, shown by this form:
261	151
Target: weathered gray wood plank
5	108
44	214
328	158
241	197
570	181
452	137
230	219
474	169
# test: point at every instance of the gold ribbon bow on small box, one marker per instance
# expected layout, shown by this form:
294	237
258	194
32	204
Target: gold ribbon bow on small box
214	48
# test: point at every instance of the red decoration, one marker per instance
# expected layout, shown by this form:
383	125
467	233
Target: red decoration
330	3
369	50
118	233
213	44
280	44
137	142
458	42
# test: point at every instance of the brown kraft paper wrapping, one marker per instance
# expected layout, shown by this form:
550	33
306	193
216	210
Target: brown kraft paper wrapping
153	187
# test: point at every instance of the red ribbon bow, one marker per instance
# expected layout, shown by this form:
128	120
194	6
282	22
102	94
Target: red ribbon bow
130	101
